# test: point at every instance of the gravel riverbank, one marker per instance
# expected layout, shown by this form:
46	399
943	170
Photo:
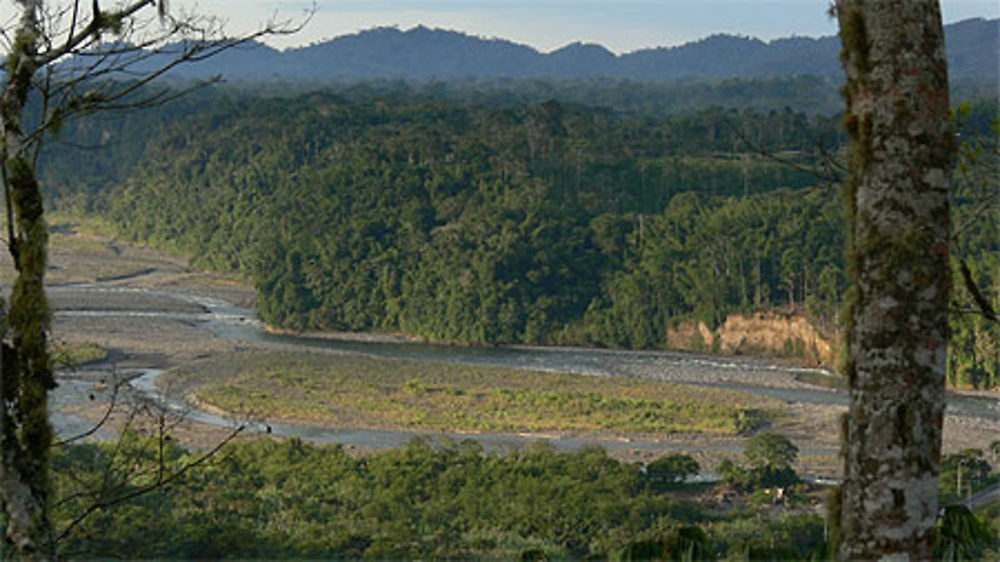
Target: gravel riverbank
152	313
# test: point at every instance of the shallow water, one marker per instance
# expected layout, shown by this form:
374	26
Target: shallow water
766	378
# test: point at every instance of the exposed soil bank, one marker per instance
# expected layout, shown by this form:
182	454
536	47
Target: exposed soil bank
768	334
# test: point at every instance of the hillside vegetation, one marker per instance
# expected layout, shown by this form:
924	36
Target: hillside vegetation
386	209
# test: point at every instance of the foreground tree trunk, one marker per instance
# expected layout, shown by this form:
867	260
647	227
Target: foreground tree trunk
26	375
903	144
48	33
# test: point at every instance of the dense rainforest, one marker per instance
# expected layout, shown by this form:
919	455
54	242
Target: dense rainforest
379	207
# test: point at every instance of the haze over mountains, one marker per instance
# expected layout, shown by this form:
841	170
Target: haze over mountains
422	53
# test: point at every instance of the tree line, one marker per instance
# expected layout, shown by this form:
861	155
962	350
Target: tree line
385	209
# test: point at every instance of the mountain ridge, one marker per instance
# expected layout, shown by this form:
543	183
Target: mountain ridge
424	53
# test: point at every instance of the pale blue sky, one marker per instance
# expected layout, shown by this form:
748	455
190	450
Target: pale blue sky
620	25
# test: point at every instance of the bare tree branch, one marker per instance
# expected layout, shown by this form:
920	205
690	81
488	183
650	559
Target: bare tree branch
101	423
984	306
160	482
70	68
117	59
90	31
828	175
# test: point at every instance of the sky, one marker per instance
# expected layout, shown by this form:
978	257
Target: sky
620	25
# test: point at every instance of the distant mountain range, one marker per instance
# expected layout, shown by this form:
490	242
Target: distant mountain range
422	53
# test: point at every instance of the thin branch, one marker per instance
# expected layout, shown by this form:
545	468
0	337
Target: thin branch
984	306
100	424
830	178
189	53
833	166
46	99
987	202
153	100
87	33
72	25
159	483
8	206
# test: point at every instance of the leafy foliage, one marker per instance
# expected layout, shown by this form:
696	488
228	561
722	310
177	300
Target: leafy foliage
770	457
771	450
962	536
439	500
666	471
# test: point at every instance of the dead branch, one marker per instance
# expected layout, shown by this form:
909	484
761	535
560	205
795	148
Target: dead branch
105	418
827	175
164	480
984	306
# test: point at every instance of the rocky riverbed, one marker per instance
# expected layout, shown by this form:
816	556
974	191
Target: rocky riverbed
151	311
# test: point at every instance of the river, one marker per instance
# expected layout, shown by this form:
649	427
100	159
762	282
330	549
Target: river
226	320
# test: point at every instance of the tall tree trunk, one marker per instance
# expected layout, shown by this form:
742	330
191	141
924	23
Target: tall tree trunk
902	151
25	433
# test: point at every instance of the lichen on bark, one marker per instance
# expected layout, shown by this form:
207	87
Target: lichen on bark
901	156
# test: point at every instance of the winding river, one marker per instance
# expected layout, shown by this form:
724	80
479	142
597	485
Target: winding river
226	320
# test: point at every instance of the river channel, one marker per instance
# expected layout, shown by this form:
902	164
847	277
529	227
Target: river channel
225	320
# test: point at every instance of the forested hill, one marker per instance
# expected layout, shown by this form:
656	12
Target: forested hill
541	223
538	223
422	53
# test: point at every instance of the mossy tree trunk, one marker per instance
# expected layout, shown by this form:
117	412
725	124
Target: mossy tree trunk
25	433
901	158
48	33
